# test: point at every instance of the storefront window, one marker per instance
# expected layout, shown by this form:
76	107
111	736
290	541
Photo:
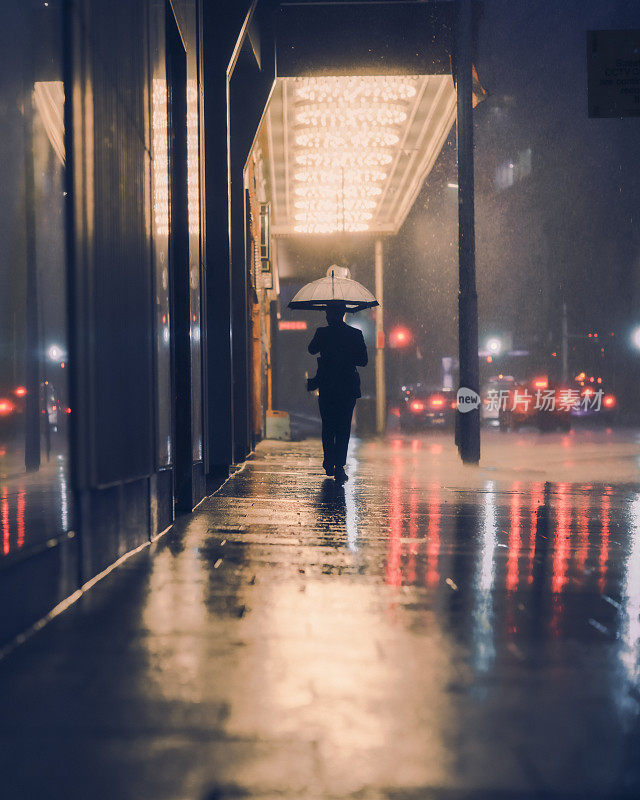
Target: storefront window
35	408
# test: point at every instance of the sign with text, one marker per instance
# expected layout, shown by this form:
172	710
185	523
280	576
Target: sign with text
292	325
613	73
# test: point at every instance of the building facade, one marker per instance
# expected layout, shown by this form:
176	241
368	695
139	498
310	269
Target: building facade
117	411
148	174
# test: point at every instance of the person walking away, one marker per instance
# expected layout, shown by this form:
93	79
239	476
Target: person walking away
341	350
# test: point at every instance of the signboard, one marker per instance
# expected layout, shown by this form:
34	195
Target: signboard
613	73
292	325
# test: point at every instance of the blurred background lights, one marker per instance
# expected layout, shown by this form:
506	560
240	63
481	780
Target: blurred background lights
494	346
635	337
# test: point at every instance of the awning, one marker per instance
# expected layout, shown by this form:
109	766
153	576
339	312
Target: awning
350	152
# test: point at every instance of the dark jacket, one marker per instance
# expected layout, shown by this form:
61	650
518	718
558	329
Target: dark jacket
341	350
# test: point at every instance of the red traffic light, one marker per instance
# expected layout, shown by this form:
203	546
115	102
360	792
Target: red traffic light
400	337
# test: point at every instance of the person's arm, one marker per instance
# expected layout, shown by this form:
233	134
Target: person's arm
361	357
314	344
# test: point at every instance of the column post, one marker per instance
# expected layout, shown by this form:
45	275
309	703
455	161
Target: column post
381	394
468	423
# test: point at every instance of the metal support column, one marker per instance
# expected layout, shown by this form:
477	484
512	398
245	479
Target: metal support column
381	395
565	344
468	427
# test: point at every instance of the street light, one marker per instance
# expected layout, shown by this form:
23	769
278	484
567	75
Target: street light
635	337
494	346
55	354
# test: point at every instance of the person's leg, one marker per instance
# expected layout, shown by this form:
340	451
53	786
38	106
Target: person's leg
343	431
327	416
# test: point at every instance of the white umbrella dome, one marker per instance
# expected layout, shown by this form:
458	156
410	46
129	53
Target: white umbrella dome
336	289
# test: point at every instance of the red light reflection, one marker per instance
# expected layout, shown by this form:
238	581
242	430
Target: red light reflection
4	512
605	516
562	548
514	539
394	567
537	500
582	551
433	536
20	518
413	533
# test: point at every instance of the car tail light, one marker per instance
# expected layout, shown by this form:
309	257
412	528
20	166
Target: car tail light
437	402
6	407
20	391
541	383
609	401
417	406
454	404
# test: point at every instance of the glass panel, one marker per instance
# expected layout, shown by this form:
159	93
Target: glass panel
160	180
194	256
34	398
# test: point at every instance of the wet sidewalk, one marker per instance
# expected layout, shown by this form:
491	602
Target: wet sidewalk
428	631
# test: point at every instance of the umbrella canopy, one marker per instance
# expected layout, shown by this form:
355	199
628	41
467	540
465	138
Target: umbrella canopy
336	289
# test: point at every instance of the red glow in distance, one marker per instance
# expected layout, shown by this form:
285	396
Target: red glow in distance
400	337
6	407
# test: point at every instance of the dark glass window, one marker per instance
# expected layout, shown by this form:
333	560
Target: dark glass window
35	408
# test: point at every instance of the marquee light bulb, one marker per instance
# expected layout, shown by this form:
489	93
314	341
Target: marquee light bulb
328	192
333	216
345	127
330	204
352	87
338	177
346	158
350	116
333	139
319	227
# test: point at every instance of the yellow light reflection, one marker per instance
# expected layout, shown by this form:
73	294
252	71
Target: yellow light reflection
49	100
161	158
159	121
193	183
345	127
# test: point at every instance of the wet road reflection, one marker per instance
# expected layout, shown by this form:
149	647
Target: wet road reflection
427	630
34	507
468	615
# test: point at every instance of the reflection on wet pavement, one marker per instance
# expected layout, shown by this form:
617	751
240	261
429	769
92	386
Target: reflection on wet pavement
426	631
34	507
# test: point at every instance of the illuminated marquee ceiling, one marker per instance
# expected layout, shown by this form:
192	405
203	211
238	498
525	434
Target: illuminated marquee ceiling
350	153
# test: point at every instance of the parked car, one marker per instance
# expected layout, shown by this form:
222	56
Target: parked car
427	408
539	402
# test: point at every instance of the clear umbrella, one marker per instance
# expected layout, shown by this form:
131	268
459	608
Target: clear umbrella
336	289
